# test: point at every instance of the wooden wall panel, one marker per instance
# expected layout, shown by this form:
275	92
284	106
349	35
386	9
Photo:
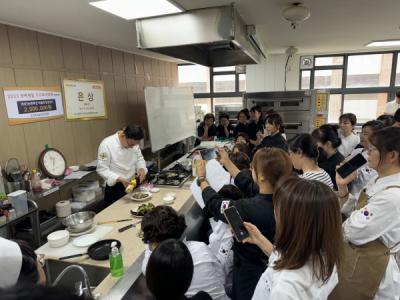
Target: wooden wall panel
29	58
72	54
118	62
50	51
139	66
24	46
90	58
5	56
129	63
105	60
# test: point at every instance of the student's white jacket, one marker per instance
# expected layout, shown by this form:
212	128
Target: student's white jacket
296	284
380	218
208	275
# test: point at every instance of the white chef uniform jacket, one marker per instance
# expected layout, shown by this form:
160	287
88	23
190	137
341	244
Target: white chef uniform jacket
349	143
208	275
379	219
296	284
116	161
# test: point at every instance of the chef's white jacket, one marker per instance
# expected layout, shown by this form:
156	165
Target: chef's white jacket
115	161
380	218
208	275
296	284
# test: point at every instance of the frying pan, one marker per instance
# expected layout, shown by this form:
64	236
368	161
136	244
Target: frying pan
97	251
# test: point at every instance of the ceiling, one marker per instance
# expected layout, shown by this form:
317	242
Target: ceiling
334	25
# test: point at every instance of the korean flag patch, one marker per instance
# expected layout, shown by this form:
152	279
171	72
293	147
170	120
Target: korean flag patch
224	205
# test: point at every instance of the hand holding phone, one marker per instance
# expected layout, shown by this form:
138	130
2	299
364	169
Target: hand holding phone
352	165
235	221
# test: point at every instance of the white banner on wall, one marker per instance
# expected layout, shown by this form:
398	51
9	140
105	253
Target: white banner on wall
84	99
33	104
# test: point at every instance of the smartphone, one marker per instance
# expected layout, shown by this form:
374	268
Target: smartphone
352	165
209	154
236	223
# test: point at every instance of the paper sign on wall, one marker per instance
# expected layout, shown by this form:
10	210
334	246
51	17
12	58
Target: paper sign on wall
33	104
84	99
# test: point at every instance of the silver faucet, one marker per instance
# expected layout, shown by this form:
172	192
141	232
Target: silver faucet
86	290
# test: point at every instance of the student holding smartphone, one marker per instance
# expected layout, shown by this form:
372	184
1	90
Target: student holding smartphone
374	225
303	259
364	173
268	166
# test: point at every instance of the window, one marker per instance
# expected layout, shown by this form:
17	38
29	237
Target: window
219	88
335	108
202	106
361	83
228	104
328	79
329	61
365	106
224	83
242	82
397	83
224	69
194	76
305	80
370	70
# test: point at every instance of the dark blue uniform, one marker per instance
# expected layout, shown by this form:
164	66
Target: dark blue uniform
212	130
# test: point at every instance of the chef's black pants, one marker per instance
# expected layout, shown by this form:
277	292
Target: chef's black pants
113	193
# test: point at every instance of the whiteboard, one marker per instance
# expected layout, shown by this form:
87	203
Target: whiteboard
170	115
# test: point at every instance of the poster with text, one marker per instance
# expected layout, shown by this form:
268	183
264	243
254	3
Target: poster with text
84	99
33	104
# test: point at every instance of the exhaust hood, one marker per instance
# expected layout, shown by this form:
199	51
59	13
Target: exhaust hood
214	37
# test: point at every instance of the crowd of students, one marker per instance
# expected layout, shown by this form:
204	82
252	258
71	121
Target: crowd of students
313	234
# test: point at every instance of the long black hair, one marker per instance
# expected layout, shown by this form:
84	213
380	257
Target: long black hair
169	271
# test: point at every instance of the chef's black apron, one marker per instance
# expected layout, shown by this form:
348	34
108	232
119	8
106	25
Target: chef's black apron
113	193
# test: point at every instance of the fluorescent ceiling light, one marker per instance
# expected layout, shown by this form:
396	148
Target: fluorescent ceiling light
386	43
136	9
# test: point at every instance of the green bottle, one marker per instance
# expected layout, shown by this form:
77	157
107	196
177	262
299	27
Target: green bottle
116	264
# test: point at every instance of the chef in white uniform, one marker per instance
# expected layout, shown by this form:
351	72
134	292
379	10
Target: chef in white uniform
376	216
119	160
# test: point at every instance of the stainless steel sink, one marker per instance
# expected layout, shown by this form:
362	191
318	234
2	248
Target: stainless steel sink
54	267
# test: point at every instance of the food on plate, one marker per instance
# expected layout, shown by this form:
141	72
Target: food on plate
143	209
140	195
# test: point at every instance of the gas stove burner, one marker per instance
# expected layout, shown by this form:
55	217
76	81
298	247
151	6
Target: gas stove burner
160	181
173	182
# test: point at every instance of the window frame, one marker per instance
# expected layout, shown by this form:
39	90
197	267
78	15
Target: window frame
212	94
344	90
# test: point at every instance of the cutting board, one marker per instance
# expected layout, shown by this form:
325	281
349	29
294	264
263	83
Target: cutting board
70	249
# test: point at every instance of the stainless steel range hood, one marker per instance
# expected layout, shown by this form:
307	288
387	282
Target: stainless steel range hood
212	37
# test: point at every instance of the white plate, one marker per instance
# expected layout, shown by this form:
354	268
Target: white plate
83	232
141	199
85	240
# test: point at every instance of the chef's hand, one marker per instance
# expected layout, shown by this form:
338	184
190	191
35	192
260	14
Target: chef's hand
255	235
223	155
201	168
124	181
142	175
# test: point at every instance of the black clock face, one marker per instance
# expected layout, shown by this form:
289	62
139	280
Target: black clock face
53	163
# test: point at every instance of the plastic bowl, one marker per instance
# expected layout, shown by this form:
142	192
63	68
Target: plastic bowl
58	238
